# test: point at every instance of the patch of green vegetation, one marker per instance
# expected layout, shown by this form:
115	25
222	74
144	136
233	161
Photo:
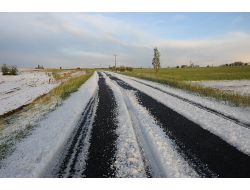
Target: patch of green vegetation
177	78
5	149
196	74
56	73
8	146
62	91
9	70
59	74
56	76
66	88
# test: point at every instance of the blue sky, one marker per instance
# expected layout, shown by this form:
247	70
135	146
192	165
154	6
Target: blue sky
91	39
189	25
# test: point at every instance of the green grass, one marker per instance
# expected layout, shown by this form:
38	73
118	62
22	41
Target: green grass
56	73
66	88
177	78
8	146
196	74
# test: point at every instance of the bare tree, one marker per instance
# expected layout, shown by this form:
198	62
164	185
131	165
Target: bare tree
156	60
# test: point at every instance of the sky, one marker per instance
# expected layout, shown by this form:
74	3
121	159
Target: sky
71	40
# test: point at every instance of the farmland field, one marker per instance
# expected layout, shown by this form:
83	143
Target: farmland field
195	74
180	77
19	90
232	86
28	85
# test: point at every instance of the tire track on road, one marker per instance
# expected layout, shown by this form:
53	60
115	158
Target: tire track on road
207	153
213	111
100	162
74	161
130	157
157	153
73	156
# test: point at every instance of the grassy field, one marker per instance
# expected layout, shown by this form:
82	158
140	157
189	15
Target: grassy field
177	78
57	73
196	74
67	87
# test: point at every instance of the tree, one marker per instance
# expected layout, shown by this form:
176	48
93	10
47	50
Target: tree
9	70
156	60
5	69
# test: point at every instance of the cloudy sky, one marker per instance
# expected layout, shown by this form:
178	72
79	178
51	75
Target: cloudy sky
91	39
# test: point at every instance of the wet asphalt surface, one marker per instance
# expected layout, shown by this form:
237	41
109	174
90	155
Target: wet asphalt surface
103	137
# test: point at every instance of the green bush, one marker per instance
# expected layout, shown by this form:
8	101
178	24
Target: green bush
5	69
9	70
129	69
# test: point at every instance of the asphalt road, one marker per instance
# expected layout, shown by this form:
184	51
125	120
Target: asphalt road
92	149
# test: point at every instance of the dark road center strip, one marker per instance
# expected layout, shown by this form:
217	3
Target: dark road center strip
103	137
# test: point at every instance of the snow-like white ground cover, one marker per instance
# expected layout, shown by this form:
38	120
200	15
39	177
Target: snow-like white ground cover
232	133
33	154
82	155
237	86
137	125
129	161
22	89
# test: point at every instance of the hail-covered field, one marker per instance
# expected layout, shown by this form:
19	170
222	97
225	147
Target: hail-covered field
19	90
236	86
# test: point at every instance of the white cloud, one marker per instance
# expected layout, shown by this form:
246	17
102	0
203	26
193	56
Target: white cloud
83	39
224	49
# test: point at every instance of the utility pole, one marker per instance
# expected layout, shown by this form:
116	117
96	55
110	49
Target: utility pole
115	60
